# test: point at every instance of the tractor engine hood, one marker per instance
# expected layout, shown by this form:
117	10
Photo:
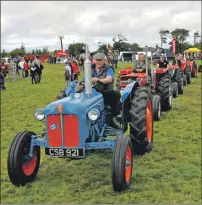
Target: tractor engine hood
77	104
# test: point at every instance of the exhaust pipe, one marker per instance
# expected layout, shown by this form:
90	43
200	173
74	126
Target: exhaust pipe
146	62
87	73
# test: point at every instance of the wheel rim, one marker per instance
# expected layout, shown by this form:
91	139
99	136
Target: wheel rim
128	166
29	166
149	121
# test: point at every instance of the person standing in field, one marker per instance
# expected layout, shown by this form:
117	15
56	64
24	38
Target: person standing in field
26	68
21	66
67	73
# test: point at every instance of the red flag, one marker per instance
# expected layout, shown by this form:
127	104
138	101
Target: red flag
174	45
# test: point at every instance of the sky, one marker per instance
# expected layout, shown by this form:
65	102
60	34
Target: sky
39	23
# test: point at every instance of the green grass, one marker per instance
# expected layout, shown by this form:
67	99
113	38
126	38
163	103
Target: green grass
170	174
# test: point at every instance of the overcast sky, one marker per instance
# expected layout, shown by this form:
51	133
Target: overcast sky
37	24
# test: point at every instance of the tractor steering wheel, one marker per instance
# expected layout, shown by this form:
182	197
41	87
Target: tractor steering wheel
98	86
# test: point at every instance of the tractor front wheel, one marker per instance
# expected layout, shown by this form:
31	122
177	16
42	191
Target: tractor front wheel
165	91
122	163
141	121
175	90
156	105
21	168
178	77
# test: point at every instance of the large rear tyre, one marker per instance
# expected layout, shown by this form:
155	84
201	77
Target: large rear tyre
122	163
178	77
184	80
165	91
141	121
156	107
22	169
188	74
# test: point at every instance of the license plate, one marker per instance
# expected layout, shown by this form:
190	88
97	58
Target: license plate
60	152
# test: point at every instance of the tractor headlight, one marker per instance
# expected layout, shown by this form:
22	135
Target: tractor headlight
39	114
93	114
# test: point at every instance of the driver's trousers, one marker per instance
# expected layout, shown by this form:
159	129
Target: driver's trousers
113	100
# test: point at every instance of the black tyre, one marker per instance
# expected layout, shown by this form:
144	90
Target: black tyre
164	89
175	90
184	80
156	107
21	169
122	163
141	121
194	70
188	74
178	77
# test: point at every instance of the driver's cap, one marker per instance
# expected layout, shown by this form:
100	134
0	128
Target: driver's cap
99	56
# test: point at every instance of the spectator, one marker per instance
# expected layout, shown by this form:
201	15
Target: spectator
67	73
21	66
26	68
75	70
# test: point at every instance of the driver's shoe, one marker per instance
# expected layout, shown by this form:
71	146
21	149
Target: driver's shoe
116	123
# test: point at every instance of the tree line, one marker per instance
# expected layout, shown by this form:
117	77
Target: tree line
120	43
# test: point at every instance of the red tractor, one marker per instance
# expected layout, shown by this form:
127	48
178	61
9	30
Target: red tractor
159	82
189	69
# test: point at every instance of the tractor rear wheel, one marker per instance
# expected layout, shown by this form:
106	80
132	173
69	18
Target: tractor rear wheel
122	163
141	121
178	77
165	91
156	107
175	89
184	80
22	169
194	70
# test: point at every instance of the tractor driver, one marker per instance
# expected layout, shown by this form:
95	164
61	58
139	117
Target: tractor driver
140	65
177	60
162	63
103	73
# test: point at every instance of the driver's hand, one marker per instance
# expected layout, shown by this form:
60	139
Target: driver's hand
95	80
80	87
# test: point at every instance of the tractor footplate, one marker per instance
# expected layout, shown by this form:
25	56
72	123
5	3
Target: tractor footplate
110	131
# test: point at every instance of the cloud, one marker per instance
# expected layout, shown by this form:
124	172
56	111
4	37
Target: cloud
39	23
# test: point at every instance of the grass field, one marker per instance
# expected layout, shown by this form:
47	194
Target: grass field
170	174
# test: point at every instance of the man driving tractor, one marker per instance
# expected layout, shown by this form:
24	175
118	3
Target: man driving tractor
104	74
177	60
140	65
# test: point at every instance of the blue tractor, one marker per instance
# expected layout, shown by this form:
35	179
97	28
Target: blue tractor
79	123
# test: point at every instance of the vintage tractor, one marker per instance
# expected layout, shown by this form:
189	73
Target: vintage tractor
160	84
79	123
189	69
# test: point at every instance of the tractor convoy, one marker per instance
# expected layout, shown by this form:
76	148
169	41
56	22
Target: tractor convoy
79	121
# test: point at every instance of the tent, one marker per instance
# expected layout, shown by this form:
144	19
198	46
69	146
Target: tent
61	54
192	50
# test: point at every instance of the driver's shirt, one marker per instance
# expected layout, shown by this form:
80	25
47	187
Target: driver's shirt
109	72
